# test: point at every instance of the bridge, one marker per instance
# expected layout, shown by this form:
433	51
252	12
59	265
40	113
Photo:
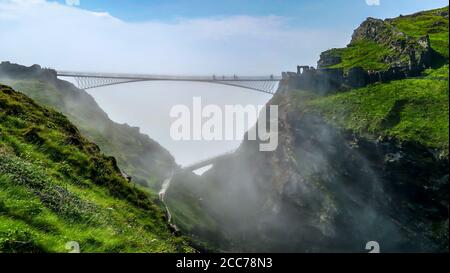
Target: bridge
206	162
88	80
190	168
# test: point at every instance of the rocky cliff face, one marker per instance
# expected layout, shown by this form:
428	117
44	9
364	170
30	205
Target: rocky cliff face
408	51
379	51
399	49
325	190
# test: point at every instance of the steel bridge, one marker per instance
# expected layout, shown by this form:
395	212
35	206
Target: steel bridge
88	80
206	162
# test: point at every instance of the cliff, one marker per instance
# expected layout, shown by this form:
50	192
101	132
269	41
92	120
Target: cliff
369	164
380	51
137	155
57	187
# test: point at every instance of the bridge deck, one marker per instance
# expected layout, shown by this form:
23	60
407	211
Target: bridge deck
207	161
167	77
88	80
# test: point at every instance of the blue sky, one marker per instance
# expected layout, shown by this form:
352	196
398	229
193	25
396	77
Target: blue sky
243	37
302	12
185	36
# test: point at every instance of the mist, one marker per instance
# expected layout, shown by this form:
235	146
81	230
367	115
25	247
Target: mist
315	193
44	31
147	105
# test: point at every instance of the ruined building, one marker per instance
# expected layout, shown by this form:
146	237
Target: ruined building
409	57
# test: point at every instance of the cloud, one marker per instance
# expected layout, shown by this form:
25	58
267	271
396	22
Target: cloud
373	2
73	2
65	37
70	38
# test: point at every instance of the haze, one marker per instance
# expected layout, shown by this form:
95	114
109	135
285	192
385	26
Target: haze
243	39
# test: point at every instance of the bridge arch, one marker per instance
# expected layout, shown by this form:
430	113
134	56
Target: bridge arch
84	80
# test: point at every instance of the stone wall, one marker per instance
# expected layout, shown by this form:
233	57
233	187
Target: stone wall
409	57
328	80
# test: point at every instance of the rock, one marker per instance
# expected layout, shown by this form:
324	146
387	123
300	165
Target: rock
370	29
412	52
328	190
329	58
410	57
357	77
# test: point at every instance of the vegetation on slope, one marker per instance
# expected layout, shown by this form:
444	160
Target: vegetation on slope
366	54
376	53
139	156
433	23
414	110
189	212
56	187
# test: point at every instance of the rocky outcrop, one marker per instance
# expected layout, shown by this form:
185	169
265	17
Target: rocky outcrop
415	53
408	57
329	58
379	31
327	190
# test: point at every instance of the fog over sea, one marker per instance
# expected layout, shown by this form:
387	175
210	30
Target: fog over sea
147	105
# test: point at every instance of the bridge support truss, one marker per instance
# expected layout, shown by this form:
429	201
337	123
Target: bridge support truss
264	84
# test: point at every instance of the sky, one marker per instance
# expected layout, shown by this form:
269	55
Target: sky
243	37
184	37
304	12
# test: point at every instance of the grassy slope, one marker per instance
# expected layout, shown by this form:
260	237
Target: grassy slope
56	187
423	118
427	22
189	212
366	54
370	55
410	110
139	156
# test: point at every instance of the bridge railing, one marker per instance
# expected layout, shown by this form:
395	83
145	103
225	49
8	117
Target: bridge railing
167	77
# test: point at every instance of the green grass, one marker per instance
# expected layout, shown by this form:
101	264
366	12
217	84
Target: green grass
139	156
189	213
56	187
366	54
414	110
427	22
372	55
440	73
